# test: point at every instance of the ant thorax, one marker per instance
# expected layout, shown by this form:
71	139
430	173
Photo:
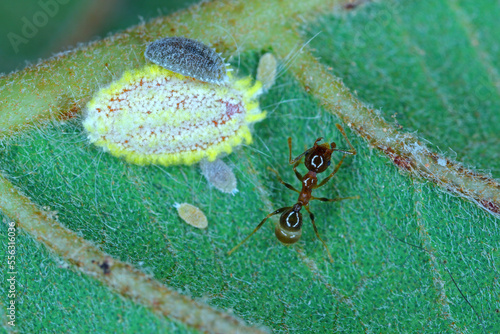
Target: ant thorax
309	182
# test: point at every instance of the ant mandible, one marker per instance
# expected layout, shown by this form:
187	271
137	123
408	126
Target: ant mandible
317	159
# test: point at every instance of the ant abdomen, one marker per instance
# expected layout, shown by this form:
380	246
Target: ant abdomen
289	228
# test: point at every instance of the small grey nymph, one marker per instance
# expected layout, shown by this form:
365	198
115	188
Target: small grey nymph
188	57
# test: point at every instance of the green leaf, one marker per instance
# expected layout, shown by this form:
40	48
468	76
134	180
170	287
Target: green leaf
408	257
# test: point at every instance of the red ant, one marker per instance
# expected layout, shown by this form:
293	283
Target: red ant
317	160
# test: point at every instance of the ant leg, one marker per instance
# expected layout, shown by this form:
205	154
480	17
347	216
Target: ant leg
288	185
295	161
322	183
297	174
352	150
257	228
338	199
290	161
311	215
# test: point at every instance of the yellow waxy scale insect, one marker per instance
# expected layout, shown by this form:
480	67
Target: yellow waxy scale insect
192	215
155	116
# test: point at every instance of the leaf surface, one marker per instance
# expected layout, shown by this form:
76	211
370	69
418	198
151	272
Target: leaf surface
408	257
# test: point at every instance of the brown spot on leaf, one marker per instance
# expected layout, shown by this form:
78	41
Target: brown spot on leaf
105	265
402	162
491	206
399	160
351	5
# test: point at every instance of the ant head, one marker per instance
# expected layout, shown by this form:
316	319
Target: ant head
288	229
318	157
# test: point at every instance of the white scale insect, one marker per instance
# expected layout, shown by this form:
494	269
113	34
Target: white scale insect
195	59
139	119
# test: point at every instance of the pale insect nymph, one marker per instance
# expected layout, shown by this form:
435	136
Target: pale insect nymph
192	215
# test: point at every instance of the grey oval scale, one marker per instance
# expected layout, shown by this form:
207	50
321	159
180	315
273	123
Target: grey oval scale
188	57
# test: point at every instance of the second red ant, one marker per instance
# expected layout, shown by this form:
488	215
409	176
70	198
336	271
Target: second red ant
317	159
